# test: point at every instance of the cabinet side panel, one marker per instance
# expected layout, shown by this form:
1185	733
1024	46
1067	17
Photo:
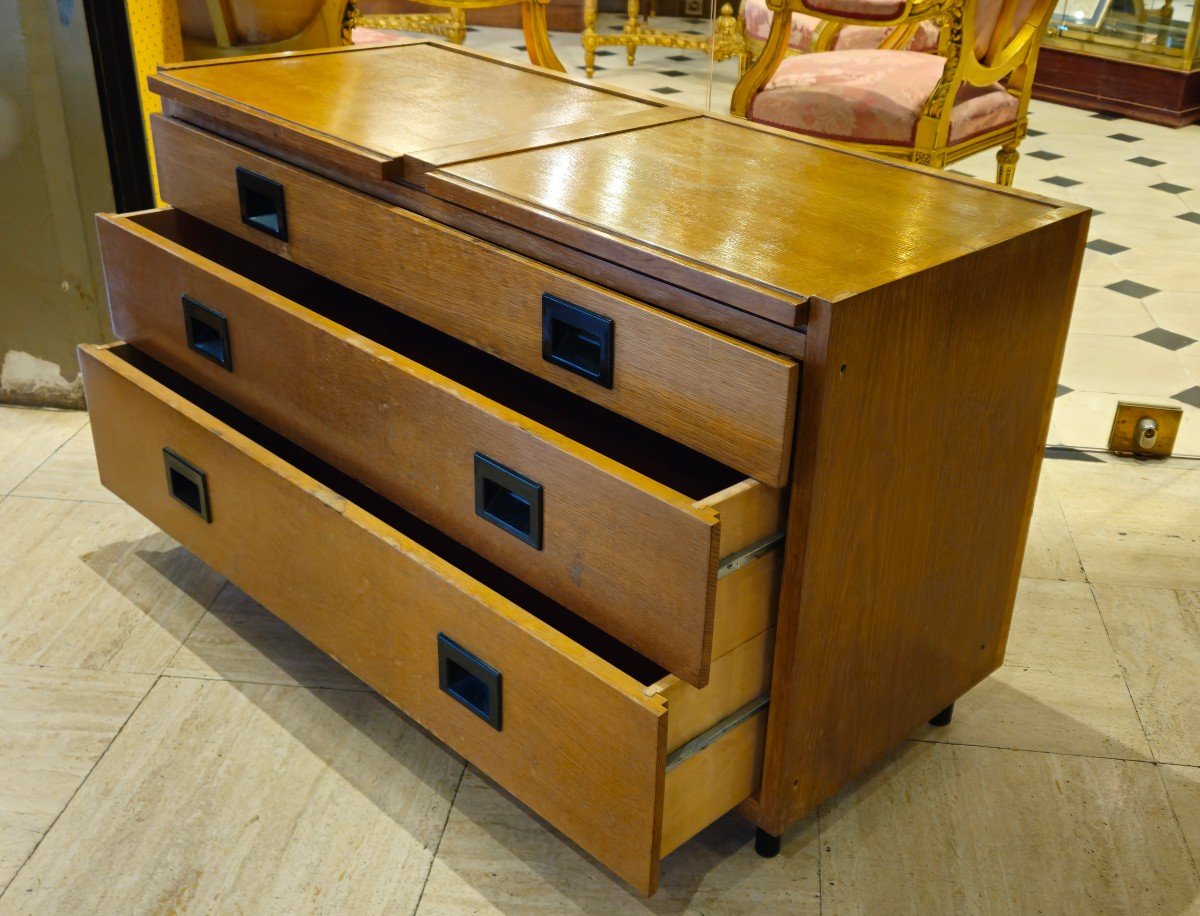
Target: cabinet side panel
923	422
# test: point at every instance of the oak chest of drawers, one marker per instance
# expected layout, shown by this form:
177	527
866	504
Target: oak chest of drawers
656	463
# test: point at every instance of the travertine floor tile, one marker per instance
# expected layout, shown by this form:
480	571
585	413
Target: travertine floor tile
1061	712
496	857
88	585
1056	626
1102	362
946	829
1102	311
224	798
56	724
1050	552
239	640
1133	523
28	437
1156	633
70	473
1183	789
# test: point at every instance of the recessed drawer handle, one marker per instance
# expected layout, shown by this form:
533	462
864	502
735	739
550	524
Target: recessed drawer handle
207	332
578	340
470	680
508	500
262	203
187	484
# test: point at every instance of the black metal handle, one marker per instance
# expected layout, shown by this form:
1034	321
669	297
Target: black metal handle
262	203
470	680
577	339
188	484
207	332
508	500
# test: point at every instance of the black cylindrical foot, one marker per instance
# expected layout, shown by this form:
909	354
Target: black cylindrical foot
766	844
943	718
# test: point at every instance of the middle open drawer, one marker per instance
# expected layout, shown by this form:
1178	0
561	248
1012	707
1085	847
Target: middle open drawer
624	526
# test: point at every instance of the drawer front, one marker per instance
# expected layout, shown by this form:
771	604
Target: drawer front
572	736
722	397
420	440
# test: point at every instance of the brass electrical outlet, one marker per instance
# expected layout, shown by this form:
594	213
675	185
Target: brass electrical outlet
1141	429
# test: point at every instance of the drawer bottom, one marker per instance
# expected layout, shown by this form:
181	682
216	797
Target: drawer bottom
565	717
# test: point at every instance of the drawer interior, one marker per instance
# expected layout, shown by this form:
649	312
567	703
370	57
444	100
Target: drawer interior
640	449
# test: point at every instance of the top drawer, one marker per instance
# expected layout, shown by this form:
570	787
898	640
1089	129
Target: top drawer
724	398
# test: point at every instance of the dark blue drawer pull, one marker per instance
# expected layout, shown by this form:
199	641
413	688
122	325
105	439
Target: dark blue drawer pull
577	339
508	500
468	679
262	203
207	332
187	484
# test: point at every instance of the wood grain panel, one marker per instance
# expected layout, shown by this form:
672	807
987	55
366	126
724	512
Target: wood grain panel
809	220
580	744
724	398
369	106
704	787
411	433
739	676
905	542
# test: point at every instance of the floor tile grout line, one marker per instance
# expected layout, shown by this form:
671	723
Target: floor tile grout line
441	836
1192	853
67	499
61	811
1034	750
207	610
820	863
176	676
57	449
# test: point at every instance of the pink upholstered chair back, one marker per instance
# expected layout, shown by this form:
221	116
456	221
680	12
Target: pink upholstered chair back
1005	17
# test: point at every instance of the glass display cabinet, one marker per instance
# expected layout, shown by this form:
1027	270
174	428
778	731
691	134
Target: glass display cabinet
1137	58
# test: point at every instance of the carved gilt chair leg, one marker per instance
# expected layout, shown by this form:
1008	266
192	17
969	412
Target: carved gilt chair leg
632	9
537	37
589	37
1006	165
457	30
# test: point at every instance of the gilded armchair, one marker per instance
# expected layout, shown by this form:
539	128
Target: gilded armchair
926	108
812	34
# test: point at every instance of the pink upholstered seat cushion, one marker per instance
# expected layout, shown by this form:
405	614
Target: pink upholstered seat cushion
872	96
373	36
757	17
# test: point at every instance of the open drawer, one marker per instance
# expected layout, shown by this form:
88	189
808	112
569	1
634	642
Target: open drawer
669	551
563	716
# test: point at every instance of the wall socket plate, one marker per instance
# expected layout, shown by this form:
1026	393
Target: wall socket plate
1123	438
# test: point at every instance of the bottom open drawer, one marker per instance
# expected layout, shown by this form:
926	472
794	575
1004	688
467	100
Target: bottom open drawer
566	718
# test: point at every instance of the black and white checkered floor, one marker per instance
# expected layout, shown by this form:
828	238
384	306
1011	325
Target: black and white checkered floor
1137	315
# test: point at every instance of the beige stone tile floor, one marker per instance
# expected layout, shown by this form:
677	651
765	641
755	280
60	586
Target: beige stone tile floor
168	746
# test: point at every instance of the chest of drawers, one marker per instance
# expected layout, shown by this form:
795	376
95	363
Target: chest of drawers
657	464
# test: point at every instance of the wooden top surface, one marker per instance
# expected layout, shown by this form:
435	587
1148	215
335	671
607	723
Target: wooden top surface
709	194
388	101
748	216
